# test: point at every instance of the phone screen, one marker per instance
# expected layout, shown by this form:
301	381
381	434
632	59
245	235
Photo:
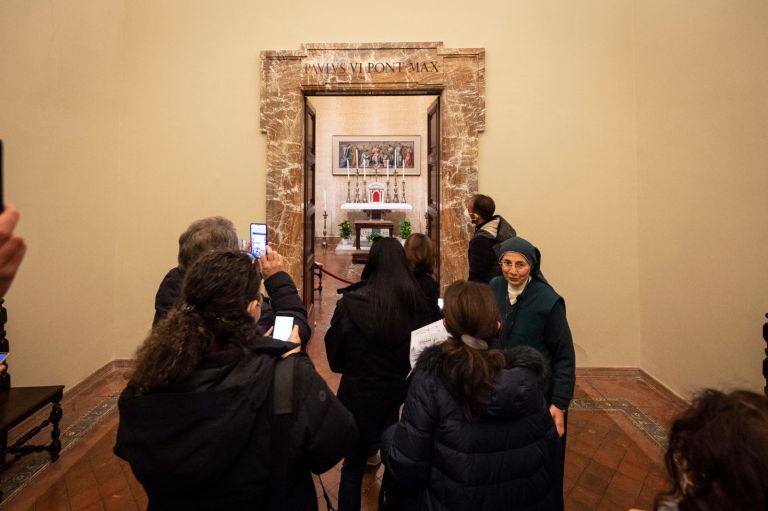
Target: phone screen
283	327
258	239
3	356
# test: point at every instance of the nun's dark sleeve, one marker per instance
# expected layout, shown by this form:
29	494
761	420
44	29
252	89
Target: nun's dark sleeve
557	337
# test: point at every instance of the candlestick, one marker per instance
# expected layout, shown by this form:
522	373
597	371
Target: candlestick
357	185
347	169
349	197
404	188
325	230
387	171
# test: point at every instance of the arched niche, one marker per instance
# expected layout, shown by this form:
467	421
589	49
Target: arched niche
457	75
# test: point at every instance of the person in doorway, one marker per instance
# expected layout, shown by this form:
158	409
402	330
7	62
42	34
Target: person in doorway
368	342
490	231
533	314
420	253
475	432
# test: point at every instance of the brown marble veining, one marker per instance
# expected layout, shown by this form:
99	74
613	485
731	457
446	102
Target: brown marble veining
456	74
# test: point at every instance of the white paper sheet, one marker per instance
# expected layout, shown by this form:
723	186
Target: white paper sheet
426	336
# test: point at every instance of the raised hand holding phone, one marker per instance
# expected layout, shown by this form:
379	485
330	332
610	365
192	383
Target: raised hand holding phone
12	246
271	262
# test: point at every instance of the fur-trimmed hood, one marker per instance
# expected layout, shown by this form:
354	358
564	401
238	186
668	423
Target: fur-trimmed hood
517	389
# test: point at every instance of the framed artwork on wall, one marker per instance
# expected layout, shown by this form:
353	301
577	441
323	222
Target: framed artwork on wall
400	151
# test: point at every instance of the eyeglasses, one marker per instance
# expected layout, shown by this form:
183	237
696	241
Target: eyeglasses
509	264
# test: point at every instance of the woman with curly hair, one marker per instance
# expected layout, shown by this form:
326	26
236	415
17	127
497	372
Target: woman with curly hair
717	456
196	419
475	432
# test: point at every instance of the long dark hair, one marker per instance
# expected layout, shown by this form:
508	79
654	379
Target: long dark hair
215	294
420	253
718	453
470	309
397	297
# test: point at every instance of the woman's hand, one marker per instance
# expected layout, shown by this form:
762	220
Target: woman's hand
295	339
559	417
271	262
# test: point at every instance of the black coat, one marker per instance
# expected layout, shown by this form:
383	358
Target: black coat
429	285
283	299
206	443
374	362
508	457
483	249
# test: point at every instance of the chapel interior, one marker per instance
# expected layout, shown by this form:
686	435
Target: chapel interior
626	140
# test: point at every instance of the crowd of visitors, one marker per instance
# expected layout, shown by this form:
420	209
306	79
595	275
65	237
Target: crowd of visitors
219	415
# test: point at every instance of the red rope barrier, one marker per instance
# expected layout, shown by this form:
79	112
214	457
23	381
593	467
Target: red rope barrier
319	266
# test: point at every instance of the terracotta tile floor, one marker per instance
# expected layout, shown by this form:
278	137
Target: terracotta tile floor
611	463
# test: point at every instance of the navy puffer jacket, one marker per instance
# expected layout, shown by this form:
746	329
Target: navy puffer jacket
508	457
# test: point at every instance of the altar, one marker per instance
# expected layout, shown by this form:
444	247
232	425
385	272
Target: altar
375	209
378	225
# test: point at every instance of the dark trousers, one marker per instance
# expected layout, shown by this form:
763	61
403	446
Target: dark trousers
352	471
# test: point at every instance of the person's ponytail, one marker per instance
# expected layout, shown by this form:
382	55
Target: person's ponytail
172	350
469	373
469	369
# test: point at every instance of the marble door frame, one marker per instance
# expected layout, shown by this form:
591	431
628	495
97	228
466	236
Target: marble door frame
456	75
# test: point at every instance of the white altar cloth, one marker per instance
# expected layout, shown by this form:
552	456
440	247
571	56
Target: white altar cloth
365	206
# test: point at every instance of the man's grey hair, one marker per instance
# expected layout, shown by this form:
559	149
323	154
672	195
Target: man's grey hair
206	235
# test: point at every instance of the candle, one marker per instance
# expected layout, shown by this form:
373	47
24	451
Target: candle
387	170
325	202
347	169
363	170
403	169
357	158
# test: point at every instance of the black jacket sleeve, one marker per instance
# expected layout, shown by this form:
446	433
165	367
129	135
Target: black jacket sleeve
327	428
284	299
558	339
407	446
336	337
482	258
167	294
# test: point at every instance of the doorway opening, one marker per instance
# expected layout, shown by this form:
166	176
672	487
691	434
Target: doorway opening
371	160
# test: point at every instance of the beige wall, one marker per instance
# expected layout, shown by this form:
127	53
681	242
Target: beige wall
59	118
622	138
702	96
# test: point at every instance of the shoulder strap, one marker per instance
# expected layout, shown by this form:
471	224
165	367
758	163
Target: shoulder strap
282	408
282	389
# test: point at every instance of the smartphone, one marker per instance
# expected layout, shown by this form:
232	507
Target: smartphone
440	303
283	327
258	239
3	356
